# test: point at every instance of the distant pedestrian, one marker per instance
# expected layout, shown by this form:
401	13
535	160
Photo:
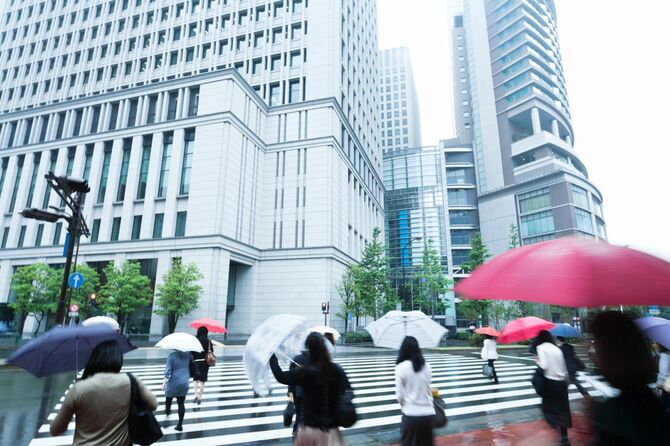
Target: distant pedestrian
100	401
201	368
635	417
663	376
322	382
555	402
490	354
412	389
176	383
573	364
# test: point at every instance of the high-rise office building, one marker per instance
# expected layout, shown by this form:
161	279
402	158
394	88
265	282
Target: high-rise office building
512	108
399	116
239	135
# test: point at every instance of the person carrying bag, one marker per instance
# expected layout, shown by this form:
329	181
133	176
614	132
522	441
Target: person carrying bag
142	424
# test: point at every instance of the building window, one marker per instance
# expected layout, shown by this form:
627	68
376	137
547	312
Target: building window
275	62
158	226
113	116
5	236
180	228
105	171
172	105
38	236
275	95
132	114
144	167
460	217
456	176
33	179
95	231
457	197
88	159
256	66
580	197
22	236
165	164
584	222
151	114
537	224
57	231
137	227
193	100
17	180
293	91
185	184
534	200
116	226
294	59
123	177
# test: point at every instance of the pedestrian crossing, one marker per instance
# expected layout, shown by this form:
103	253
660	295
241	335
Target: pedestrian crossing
230	413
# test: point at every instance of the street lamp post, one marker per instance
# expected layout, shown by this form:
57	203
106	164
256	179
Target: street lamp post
402	260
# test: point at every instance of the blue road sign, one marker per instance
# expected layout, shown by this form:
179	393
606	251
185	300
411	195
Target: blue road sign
76	280
654	310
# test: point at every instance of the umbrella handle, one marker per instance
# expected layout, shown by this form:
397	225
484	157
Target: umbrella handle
286	357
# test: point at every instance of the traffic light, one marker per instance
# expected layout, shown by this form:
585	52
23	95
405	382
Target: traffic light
324	307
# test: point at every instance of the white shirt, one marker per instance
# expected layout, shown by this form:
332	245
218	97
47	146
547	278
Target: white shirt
489	350
551	360
412	389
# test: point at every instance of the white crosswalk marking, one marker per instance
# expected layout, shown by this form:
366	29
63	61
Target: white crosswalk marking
231	414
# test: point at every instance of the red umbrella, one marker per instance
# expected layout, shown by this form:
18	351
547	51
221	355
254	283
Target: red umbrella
523	329
572	272
488	331
211	325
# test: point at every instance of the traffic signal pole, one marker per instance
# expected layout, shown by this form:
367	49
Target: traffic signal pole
73	229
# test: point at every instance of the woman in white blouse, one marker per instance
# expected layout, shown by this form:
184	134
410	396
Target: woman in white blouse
412	389
555	402
490	354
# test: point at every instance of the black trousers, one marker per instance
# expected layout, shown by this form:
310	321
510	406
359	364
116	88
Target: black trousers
416	431
493	367
181	409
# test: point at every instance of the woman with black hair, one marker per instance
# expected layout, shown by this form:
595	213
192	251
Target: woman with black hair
555	402
412	389
636	416
322	382
489	354
175	383
100	401
201	368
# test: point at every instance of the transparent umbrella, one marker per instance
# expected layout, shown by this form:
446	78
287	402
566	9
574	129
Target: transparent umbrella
390	330
282	334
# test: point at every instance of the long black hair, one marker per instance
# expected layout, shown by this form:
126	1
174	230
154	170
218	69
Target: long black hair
201	334
542	337
318	353
106	357
409	350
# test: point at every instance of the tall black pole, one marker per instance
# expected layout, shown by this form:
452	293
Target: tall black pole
73	229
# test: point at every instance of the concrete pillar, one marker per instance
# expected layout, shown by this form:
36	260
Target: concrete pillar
535	119
568	140
554	128
180	104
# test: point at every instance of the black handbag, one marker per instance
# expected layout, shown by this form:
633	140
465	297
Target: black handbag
347	415
440	417
538	381
288	414
142	425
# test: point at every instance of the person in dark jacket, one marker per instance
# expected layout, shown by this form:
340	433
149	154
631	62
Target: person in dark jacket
635	417
295	393
200	369
322	382
573	363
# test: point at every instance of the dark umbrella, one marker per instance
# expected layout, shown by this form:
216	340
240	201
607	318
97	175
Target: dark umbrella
64	349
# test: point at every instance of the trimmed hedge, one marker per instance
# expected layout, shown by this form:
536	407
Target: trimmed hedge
357	336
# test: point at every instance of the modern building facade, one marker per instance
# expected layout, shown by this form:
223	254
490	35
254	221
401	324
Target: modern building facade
512	106
399	115
238	135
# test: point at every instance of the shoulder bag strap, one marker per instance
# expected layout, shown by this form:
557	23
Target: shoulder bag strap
133	388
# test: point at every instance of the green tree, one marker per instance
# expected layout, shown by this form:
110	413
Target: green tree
371	279
125	291
82	295
513	236
34	293
179	293
472	309
431	282
349	303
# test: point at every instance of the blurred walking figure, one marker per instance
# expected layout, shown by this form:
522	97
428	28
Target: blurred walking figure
322	382
176	383
490	354
296	394
100	401
663	377
201	368
555	402
412	389
573	364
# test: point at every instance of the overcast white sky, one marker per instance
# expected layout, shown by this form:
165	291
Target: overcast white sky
615	57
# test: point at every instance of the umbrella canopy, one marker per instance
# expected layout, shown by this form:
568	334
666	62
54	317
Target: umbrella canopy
183	342
390	330
323	329
655	328
523	329
64	349
104	320
282	334
566	331
211	325
490	331
572	272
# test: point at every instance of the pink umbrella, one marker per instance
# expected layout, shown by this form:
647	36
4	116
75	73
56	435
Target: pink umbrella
523	329
572	272
211	325
488	331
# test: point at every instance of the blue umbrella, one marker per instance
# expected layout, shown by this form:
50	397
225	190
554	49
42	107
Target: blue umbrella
64	349
656	329
566	331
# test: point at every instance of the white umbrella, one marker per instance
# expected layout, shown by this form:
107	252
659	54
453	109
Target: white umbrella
323	329
282	334
104	320
390	329
183	342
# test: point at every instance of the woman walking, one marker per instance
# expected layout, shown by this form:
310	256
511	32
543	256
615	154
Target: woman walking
100	401
322	382
412	389
490	354
201	368
555	402
176	384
